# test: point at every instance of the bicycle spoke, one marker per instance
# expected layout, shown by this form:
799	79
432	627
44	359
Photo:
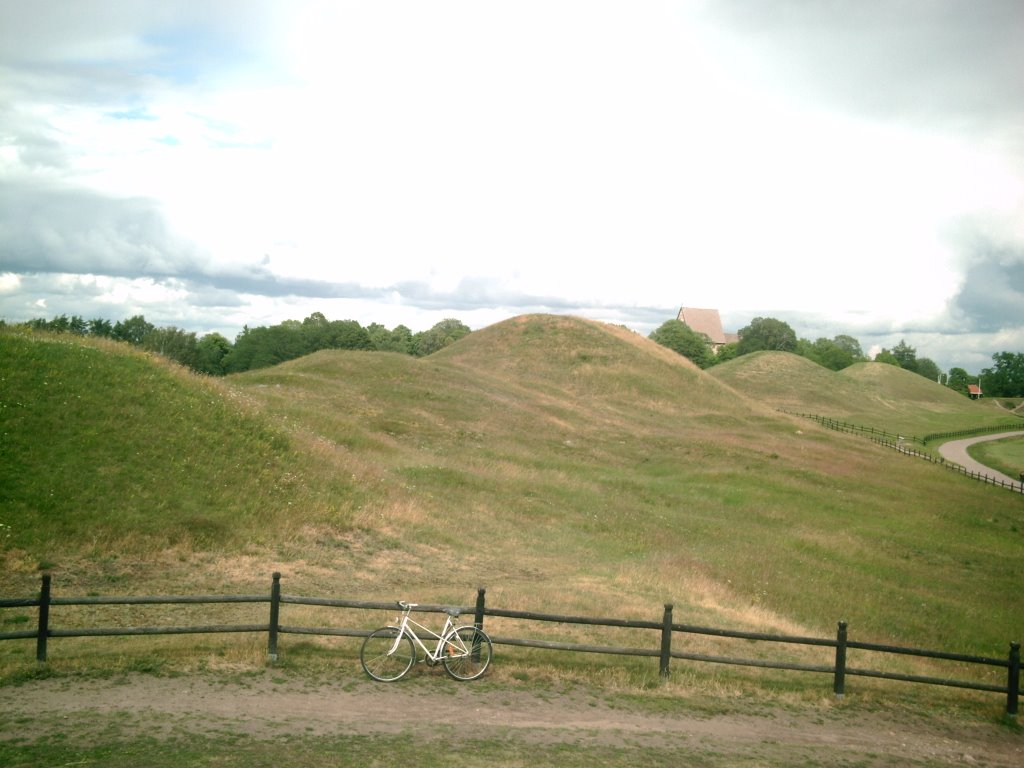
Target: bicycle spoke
467	653
380	657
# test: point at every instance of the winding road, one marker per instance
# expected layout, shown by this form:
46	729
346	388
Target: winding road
955	451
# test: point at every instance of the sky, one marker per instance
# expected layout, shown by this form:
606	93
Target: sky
850	167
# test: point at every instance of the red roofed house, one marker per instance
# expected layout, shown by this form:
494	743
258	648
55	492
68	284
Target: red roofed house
974	391
708	322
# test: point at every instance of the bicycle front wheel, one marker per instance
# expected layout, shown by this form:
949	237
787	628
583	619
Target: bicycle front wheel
467	653
379	660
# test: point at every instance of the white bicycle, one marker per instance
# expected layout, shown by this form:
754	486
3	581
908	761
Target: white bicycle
389	652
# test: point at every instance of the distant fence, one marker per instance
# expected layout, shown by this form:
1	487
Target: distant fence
1011	486
661	646
898	442
973	432
842	426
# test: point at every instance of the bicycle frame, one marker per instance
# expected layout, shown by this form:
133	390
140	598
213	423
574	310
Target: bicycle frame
447	642
388	653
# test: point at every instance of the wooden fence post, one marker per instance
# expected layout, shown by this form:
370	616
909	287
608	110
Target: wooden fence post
44	619
478	622
839	682
666	640
275	614
1013	681
478	618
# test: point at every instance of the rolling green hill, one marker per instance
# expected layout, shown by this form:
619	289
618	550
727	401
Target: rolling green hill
106	450
567	465
867	394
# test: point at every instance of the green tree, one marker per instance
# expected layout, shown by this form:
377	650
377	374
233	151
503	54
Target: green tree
679	337
348	334
262	347
727	352
1006	377
210	353
321	333
767	333
834	354
379	335
100	327
316	329
850	345
173	343
383	340
401	340
133	330
60	324
958	380
442	334
928	368
906	355
887	357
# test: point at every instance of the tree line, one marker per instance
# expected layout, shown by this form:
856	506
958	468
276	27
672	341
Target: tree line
263	346
258	347
1004	379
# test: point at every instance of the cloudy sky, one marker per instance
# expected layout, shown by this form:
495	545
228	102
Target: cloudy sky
854	166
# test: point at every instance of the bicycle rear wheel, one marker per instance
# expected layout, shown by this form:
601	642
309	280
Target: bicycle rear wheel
379	662
467	653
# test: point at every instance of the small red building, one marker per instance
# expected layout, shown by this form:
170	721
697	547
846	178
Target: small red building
974	391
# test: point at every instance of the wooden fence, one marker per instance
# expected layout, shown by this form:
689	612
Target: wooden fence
842	426
899	443
665	630
1010	486
883	434
973	432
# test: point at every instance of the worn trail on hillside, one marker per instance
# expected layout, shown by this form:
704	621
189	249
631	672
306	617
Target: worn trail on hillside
432	708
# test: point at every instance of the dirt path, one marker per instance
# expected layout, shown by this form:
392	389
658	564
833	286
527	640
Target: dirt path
956	452
266	707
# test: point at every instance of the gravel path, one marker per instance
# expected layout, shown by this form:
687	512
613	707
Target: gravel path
956	452
267	707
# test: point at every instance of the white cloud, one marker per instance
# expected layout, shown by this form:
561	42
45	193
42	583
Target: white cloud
9	282
408	160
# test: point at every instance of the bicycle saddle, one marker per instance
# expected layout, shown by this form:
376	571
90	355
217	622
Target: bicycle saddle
453	612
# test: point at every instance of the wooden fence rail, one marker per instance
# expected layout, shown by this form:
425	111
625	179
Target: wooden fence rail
665	628
972	432
842	426
1010	486
882	437
883	434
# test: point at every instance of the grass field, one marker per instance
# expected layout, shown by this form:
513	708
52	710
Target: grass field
567	466
1006	456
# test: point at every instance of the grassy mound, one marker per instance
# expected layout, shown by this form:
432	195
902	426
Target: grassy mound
566	465
867	394
107	449
582	466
